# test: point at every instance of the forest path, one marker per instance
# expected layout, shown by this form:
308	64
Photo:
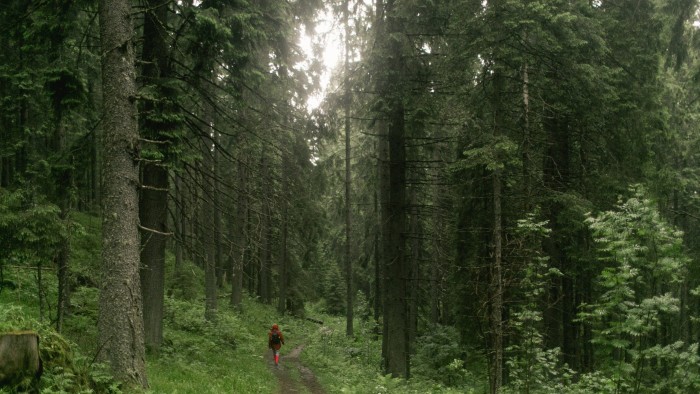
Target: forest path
290	364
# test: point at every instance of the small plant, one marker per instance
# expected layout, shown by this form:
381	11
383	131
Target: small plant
440	357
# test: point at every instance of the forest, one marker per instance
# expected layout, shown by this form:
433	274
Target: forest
470	196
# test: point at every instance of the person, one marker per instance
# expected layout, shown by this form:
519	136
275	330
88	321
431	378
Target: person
275	340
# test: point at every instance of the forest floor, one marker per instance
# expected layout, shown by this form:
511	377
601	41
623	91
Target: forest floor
293	376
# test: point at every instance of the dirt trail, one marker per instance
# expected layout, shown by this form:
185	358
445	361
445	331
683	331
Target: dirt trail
287	366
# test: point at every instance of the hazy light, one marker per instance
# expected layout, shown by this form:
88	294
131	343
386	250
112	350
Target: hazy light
328	35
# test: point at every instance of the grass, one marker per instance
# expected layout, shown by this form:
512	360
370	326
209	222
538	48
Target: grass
225	357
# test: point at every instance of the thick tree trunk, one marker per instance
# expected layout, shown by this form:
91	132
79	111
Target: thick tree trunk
153	202
120	321
396	313
153	215
395	334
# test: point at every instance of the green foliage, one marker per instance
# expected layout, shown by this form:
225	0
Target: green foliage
329	353
66	370
440	356
86	248
30	228
532	367
334	290
645	262
187	283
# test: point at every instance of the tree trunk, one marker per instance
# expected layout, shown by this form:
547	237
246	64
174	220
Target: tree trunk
208	213
239	237
179	219
209	253
218	252
153	215
120	321
153	203
437	243
385	213
496	270
377	304
414	229
346	104
395	334
559	316
282	271
64	182
265	251
496	289
396	313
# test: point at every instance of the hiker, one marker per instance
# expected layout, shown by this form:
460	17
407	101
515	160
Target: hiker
275	340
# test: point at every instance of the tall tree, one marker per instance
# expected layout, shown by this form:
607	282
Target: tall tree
120	319
153	201
348	207
396	332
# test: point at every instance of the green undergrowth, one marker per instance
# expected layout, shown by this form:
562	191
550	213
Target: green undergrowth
226	356
66	369
221	357
352	365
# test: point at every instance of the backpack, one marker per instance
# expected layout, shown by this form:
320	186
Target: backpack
275	338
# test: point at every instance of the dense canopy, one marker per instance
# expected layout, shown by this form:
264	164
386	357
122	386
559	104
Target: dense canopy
515	177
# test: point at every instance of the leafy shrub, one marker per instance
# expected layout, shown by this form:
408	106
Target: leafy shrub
645	266
440	357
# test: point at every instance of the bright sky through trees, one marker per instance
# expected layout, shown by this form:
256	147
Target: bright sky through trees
326	43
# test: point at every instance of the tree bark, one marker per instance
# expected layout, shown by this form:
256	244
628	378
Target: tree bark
64	182
346	104
120	321
282	270
395	334
208	210
179	219
153	202
153	215
396	313
496	288
377	304
239	237
265	251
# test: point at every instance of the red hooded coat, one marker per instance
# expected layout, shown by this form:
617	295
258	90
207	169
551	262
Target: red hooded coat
271	345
